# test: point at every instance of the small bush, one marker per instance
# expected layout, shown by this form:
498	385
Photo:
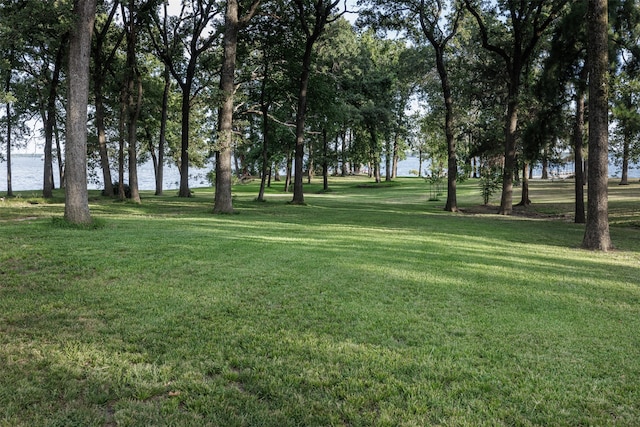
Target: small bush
490	182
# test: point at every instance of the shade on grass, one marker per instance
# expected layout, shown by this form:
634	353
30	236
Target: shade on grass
367	306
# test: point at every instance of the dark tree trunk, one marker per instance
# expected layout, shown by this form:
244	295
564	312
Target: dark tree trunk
163	133
578	137
596	235
325	160
49	117
76	207
301	112
624	180
525	201
9	143
506	200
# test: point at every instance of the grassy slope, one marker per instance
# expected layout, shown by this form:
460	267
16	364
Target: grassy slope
368	306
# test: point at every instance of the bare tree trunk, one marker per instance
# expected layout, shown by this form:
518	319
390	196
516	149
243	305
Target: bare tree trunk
76	207
223	201
506	200
49	116
163	133
525	201
624	180
596	236
578	136
9	143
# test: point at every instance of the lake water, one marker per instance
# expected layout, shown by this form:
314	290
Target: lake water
27	172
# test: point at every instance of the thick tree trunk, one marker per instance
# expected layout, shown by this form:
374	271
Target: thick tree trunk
223	202
76	207
596	235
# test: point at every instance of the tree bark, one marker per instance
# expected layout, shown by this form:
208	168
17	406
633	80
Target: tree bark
578	136
76	207
223	200
596	236
49	116
9	130
298	190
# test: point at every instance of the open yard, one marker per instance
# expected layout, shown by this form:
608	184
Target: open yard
369	306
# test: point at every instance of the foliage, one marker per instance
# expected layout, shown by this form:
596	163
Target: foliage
490	182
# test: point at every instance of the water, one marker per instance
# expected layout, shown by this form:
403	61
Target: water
27	174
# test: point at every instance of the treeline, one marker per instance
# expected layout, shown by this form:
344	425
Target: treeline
261	86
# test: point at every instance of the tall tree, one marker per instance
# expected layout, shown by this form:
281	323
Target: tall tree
234	21
190	34
103	57
596	236
76	207
313	16
525	23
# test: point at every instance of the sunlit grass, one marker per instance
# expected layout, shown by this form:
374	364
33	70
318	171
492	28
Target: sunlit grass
366	306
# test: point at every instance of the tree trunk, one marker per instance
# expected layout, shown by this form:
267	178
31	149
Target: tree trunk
49	116
325	160
133	102
298	190
388	161
163	132
76	207
9	143
223	202
525	201
596	236
624	180
311	165
506	201
264	108
102	138
578	137
185	110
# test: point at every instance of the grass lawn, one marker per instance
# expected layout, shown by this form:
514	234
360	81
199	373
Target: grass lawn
368	306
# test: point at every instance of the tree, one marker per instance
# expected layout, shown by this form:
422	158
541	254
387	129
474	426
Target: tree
596	236
313	17
76	207
187	35
233	23
525	22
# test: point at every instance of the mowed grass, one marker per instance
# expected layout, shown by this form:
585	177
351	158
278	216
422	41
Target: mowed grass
368	306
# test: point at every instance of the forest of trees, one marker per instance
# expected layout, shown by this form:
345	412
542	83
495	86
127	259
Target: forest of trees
480	88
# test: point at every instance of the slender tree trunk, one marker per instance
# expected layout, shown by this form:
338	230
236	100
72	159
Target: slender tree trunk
311	166
60	158
264	107
287	178
596	235
388	161
121	143
76	207
9	143
525	201
624	180
49	117
394	167
135	103
578	137
102	138
301	112
223	202
325	160
163	132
